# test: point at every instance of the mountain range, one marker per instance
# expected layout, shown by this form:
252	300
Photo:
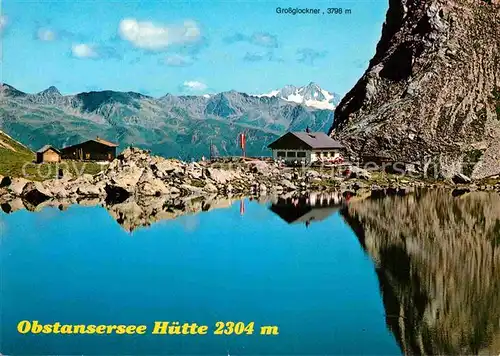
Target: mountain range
178	126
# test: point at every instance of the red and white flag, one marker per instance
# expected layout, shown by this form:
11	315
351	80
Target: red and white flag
243	141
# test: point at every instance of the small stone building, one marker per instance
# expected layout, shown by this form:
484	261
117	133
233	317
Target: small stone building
306	147
48	154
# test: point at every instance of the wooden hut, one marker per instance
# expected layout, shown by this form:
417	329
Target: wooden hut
48	154
91	150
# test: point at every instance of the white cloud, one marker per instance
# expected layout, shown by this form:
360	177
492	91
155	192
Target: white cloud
194	85
83	50
45	34
150	36
177	60
3	22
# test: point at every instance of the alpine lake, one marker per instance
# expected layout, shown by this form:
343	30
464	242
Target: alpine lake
316	274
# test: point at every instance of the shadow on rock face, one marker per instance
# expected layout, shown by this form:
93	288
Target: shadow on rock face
437	258
115	194
5	182
6	208
34	198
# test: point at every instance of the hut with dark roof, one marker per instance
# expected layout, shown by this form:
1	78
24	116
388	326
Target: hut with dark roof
305	147
91	150
48	154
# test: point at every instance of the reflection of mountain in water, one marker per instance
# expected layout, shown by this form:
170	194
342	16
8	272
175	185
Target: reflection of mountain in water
307	208
438	262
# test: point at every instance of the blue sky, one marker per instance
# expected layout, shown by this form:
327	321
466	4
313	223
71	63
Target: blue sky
180	47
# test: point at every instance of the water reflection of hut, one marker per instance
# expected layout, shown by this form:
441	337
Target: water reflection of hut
307	208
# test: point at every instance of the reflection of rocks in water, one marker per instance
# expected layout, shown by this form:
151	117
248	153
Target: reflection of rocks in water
133	212
307	208
438	262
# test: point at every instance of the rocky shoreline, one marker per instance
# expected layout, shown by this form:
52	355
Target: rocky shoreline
138	175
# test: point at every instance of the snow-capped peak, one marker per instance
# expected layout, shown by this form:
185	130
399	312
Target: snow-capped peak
310	95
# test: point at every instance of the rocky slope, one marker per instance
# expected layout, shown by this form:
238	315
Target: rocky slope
438	262
172	126
432	90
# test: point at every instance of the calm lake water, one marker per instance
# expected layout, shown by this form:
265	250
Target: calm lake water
363	278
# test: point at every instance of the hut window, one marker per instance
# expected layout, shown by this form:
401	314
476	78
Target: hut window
291	154
301	154
281	154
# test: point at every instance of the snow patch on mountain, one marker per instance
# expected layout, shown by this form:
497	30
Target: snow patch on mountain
311	95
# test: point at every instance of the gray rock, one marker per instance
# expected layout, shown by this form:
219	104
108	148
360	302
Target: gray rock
460	178
259	167
165	168
289	186
219	176
287	176
91	190
35	193
312	174
189	189
127	178
360	173
211	188
17	185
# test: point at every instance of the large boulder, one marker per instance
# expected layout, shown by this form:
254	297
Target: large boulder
127	178
134	155
360	173
91	190
219	175
259	167
35	193
150	185
194	171
17	185
155	187
165	168
59	188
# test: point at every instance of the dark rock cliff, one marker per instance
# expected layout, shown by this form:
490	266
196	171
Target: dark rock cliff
432	89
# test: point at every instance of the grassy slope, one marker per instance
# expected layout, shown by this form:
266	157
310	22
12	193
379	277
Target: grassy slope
14	156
